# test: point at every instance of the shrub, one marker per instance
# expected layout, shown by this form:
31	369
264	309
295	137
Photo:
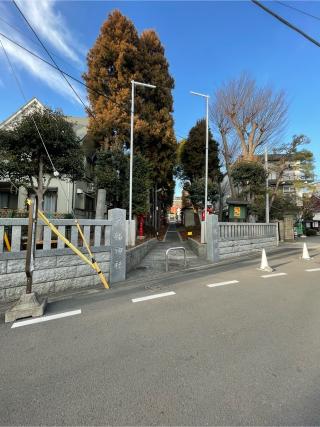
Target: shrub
311	232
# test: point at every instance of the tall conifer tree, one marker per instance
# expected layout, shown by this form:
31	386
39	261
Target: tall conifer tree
193	151
156	136
112	64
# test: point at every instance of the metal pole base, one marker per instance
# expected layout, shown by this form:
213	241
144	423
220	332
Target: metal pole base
28	306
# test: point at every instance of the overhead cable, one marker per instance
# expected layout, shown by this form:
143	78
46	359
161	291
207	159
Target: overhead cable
298	10
287	23
53	60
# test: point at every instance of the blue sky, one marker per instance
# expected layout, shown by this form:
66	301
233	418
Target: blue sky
206	43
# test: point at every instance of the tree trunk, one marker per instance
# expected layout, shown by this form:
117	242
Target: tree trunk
274	193
228	166
220	202
101	201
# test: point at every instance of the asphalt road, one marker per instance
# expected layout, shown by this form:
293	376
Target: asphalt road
246	353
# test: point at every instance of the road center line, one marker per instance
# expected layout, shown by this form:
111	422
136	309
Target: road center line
267	276
309	270
45	318
164	294
230	282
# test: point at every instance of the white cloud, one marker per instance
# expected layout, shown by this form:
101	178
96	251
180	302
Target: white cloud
24	62
42	71
51	27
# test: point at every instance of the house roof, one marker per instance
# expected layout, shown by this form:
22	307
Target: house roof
30	105
79	124
237	202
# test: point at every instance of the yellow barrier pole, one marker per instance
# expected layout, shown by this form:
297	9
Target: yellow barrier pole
94	262
7	243
66	241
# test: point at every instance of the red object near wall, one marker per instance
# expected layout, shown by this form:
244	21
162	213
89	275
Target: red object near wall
141	223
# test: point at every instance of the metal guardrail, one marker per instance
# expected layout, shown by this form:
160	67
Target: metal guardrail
175	249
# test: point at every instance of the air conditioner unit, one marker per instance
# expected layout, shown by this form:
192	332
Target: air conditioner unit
79	191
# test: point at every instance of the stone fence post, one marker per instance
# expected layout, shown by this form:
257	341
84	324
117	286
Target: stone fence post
118	245
213	236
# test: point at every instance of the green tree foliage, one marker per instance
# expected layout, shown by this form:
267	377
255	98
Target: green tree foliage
284	204
196	192
112	172
111	166
250	177
23	157
141	185
192	154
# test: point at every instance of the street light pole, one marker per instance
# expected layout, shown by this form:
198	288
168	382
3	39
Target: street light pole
267	186
206	163
131	231
131	152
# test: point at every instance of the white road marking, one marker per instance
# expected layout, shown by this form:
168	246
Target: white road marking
309	270
230	282
165	294
267	276
45	318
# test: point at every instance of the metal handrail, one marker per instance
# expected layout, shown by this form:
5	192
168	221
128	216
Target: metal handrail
175	249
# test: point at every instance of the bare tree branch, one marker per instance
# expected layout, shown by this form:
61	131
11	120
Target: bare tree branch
257	115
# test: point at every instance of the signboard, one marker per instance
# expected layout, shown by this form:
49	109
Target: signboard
237	212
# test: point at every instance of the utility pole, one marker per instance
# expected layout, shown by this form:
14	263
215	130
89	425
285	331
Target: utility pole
267	185
29	304
131	229
32	219
203	234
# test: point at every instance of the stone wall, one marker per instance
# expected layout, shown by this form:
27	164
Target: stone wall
54	271
199	249
135	255
234	248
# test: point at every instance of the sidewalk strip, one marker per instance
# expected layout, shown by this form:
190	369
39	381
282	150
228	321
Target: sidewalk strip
165	294
309	270
267	276
45	318
230	282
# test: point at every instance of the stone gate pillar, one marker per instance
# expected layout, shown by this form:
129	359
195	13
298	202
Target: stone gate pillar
118	245
213	236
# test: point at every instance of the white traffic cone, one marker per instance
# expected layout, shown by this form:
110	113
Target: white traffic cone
305	253
264	262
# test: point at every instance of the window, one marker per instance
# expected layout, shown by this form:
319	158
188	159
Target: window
288	189
50	201
4	199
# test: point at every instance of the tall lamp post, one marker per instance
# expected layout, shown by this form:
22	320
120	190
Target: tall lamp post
131	229
203	235
267	186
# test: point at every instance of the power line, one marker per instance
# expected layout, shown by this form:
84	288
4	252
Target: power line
25	99
19	30
298	10
53	60
287	23
55	171
64	72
